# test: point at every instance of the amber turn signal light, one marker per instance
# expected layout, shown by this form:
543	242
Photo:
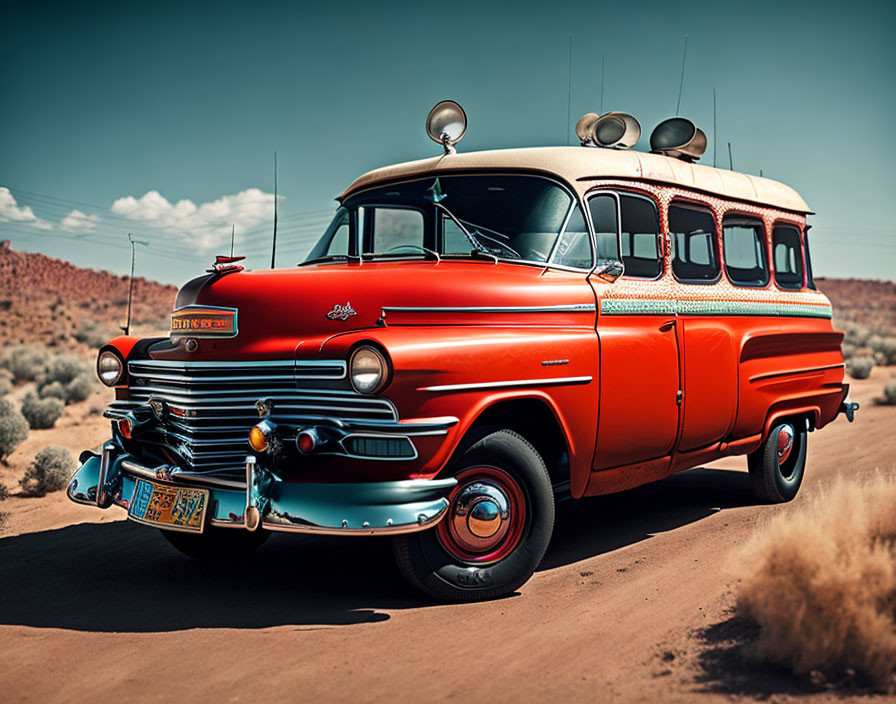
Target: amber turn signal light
258	441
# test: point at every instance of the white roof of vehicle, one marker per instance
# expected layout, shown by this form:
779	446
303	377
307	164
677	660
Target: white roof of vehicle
580	165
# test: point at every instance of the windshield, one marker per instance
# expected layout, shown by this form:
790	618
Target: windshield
511	217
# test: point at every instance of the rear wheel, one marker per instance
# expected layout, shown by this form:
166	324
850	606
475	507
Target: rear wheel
497	527
777	467
216	543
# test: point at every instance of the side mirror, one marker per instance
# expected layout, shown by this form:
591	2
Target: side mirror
610	271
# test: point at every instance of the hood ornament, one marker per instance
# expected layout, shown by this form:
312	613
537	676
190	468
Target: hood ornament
342	312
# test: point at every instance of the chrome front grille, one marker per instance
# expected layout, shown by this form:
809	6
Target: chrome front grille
210	406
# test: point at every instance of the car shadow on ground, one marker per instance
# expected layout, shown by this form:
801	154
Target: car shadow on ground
600	524
125	577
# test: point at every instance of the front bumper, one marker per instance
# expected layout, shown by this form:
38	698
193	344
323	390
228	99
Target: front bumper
264	501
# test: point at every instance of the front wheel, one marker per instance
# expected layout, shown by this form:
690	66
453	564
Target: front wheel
496	529
216	543
777	467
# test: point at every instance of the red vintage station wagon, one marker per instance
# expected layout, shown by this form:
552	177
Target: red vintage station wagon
474	335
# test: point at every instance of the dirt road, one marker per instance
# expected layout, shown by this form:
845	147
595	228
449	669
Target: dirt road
631	604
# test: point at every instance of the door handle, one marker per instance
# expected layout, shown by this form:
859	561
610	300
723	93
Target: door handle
667	326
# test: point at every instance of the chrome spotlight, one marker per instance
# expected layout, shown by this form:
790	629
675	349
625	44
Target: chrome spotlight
446	124
678	137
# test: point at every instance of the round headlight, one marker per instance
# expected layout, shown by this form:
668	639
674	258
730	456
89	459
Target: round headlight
109	368
368	369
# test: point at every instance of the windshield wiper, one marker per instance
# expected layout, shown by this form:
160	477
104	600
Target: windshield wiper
329	258
478	247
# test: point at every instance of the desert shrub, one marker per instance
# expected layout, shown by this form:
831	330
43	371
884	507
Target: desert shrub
888	349
41	413
52	389
65	368
4	492
92	333
5	386
820	581
26	362
856	334
80	388
890	394
848	350
860	367
49	471
13	428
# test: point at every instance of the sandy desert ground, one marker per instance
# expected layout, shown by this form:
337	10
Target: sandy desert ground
633	601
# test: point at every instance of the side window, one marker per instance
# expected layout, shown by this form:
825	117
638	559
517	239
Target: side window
337	238
606	227
743	241
574	247
693	232
640	228
391	229
788	256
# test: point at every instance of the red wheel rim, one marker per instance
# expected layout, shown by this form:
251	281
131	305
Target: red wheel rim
473	531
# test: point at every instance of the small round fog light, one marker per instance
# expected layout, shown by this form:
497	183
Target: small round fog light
307	440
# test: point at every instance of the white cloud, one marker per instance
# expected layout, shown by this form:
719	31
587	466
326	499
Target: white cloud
206	225
11	212
76	221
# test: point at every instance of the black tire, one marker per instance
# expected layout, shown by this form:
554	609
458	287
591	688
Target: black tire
775	481
426	563
216	543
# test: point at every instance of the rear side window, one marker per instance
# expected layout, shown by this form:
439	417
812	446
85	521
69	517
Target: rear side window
693	232
640	228
606	226
743	241
788	256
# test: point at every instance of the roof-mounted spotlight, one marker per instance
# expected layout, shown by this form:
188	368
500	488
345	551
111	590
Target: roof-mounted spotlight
584	126
446	124
616	130
678	137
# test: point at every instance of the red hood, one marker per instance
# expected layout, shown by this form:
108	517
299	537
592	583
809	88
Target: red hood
282	308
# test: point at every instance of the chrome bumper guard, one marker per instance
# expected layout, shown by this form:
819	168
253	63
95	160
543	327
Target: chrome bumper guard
264	501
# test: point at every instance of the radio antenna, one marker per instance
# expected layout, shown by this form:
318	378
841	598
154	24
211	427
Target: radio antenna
715	140
569	94
134	243
684	57
730	160
602	58
274	245
232	228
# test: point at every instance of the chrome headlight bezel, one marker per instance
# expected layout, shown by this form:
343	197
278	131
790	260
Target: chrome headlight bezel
111	358
368	370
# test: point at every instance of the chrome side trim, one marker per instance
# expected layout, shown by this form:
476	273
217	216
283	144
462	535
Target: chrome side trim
504	384
573	308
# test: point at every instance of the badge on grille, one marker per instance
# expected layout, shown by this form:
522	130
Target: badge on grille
342	312
159	408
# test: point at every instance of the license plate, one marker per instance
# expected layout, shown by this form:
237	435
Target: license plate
179	508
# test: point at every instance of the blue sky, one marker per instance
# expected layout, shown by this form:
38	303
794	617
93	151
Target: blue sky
162	118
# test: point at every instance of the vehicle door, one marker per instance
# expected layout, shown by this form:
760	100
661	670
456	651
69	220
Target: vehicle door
636	325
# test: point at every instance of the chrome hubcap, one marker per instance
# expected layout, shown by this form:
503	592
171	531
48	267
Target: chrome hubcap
480	516
785	442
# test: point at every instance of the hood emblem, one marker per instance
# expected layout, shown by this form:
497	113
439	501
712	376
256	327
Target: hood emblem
342	312
159	408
